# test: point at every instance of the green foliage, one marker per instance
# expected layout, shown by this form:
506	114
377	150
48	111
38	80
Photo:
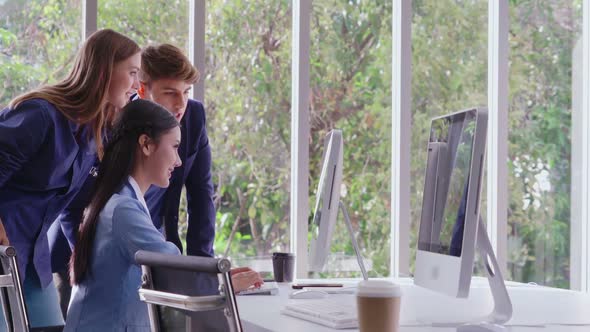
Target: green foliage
543	36
146	22
38	40
248	107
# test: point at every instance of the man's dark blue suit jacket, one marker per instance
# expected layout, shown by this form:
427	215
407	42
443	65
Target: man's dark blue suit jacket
194	174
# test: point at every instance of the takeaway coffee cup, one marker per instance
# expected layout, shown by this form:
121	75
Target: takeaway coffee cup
378	306
283	264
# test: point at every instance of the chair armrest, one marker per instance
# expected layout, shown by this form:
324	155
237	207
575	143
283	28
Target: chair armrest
187	263
189	303
7	251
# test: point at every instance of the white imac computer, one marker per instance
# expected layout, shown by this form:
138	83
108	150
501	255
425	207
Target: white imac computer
327	205
450	225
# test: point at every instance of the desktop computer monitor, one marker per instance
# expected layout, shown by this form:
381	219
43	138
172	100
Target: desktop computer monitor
327	201
451	203
327	205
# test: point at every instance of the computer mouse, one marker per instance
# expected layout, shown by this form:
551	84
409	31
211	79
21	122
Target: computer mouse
308	294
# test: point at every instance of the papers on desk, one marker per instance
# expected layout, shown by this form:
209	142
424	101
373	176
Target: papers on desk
268	288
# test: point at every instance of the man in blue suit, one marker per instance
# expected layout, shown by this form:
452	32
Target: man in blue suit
166	77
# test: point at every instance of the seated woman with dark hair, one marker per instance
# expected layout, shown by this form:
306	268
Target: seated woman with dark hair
142	151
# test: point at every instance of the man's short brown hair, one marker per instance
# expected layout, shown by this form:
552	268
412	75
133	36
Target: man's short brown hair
166	61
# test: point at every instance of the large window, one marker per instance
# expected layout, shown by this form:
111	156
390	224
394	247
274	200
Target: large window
38	43
351	90
449	73
247	76
248	101
543	35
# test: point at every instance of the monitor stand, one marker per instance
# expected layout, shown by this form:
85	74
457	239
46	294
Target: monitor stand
359	258
502	305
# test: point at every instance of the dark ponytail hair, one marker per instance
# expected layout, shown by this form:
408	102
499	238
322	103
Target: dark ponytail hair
139	117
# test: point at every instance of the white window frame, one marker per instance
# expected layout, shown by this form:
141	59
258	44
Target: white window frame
89	17
196	42
401	102
497	154
300	131
580	199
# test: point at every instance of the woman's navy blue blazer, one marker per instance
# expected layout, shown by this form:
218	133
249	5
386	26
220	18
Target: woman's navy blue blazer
44	160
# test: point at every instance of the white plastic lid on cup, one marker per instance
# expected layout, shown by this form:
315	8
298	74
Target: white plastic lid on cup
378	288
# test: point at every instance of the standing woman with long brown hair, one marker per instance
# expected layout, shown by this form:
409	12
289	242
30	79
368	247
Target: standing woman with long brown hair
49	140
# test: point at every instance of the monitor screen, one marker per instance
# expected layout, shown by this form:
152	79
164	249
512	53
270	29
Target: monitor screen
450	206
327	200
445	198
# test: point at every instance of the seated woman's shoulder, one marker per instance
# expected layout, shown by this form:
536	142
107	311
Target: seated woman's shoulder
121	203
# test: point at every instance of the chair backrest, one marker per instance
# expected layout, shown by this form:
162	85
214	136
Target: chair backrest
11	295
197	290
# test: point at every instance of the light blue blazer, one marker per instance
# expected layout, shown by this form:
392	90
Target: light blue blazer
107	300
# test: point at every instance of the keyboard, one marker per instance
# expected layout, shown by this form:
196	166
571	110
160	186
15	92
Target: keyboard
268	288
334	290
337	312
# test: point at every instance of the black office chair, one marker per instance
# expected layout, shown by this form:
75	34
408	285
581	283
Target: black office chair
12	298
197	291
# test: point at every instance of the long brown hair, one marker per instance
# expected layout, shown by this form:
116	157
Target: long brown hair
81	95
137	118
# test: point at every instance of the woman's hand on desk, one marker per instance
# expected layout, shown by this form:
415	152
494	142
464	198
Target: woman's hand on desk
243	278
3	237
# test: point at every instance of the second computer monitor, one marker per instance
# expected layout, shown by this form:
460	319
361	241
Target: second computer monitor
451	202
327	200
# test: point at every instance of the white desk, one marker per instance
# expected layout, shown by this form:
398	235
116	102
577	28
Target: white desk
532	305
